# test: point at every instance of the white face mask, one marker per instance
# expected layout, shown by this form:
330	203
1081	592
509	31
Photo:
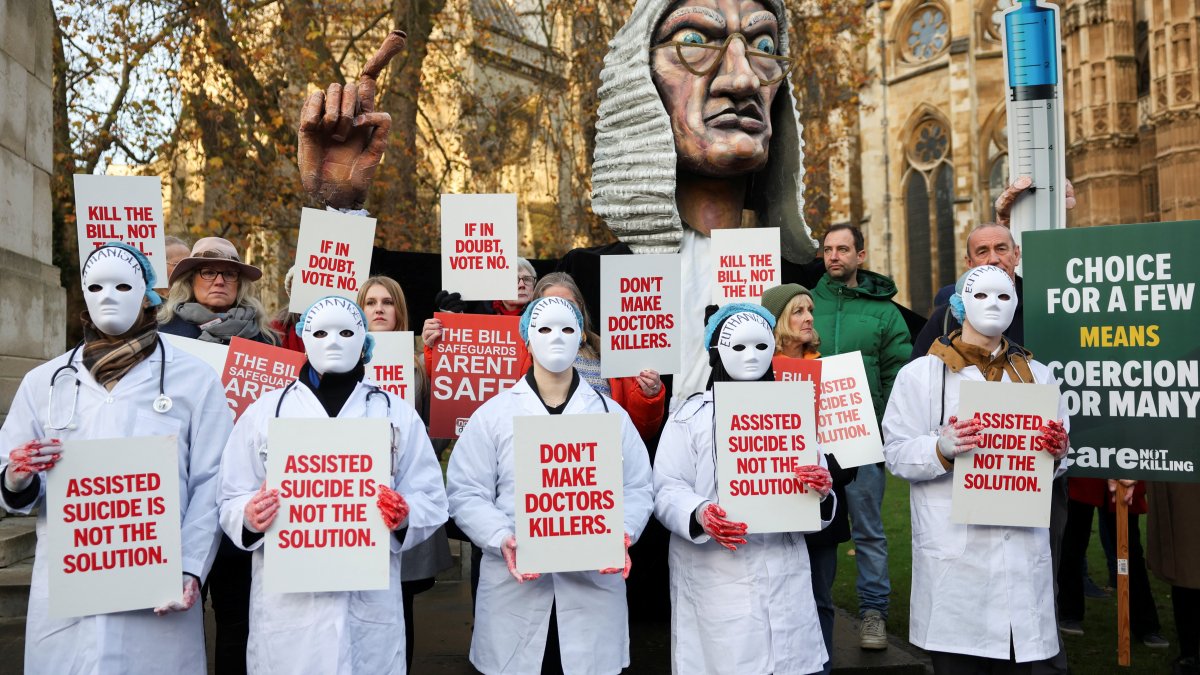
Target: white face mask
990	300
554	334
334	335
113	288
746	345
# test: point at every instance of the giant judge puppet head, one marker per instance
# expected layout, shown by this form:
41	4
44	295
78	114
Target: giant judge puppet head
117	278
334	331
553	329
699	87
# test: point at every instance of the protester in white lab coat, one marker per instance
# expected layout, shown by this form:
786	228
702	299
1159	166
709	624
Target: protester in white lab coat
341	632
569	622
122	381
982	596
740	603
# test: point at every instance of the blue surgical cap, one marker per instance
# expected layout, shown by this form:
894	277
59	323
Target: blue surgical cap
527	315
147	269
368	345
729	310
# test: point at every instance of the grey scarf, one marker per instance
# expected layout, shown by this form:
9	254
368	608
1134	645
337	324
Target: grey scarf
220	327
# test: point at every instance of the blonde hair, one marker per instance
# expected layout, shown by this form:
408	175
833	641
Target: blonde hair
591	345
784	336
247	296
393	289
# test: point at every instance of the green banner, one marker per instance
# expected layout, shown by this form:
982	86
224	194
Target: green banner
1112	312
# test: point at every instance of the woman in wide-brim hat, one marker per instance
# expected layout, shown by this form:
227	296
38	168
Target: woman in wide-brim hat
213	297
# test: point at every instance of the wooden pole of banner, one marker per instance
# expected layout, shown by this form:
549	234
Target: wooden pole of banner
1122	577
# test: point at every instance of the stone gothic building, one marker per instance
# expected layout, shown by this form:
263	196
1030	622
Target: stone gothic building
932	143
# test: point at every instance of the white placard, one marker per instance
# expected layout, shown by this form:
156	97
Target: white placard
765	431
333	256
391	365
640	305
329	534
127	209
112	526
212	353
746	263
847	427
479	246
1006	481
569	487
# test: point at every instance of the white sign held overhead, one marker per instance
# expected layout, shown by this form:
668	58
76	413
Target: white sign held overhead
640	305
746	263
126	209
479	246
333	257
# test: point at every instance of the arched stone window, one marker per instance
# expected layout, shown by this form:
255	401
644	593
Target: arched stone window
924	33
929	209
992	9
994	168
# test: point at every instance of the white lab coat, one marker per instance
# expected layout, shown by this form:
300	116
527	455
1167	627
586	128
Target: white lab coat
512	619
749	611
135	641
972	585
340	632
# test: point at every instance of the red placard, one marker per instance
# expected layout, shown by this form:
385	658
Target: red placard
253	368
788	369
477	358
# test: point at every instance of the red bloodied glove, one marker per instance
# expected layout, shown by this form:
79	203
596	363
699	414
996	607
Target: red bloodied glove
624	572
509	549
958	437
1053	439
261	510
726	532
816	477
28	460
191	593
392	506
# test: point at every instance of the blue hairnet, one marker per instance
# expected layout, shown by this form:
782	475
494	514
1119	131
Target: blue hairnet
957	309
729	310
147	269
368	344
527	315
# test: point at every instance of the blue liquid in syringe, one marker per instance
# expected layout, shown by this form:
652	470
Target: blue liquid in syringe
1032	51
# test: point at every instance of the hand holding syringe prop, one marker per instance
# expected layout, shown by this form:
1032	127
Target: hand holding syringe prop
1033	73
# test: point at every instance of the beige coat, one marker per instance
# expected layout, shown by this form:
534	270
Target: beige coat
1173	538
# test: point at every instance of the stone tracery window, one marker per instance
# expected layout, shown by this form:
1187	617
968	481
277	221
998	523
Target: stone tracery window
926	33
992	26
929	211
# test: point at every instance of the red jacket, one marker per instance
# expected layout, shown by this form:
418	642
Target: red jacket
287	331
1094	491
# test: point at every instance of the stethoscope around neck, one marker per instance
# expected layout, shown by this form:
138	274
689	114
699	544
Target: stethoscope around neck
162	403
374	390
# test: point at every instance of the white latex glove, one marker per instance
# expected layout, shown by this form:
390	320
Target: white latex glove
191	593
957	437
28	460
261	510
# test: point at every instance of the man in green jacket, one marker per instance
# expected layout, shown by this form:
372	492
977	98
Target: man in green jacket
853	312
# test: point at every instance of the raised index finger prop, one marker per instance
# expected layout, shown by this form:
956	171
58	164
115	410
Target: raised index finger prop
392	45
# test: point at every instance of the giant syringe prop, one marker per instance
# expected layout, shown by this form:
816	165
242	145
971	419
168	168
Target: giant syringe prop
1033	73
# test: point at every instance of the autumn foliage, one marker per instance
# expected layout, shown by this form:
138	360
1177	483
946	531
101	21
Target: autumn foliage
490	95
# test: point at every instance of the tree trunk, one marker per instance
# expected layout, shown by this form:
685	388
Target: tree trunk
395	196
62	191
